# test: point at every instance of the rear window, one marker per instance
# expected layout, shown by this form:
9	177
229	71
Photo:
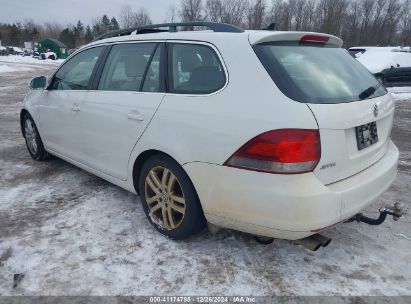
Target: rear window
317	74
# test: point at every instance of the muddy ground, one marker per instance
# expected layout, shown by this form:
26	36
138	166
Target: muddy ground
71	233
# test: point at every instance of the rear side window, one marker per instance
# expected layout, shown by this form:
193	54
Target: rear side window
75	74
317	74
194	69
127	66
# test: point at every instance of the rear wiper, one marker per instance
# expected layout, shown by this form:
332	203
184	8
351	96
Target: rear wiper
368	92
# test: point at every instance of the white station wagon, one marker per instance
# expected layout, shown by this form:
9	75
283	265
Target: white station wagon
277	134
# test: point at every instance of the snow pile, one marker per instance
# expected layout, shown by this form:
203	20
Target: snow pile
4	68
47	55
364	49
377	61
400	93
29	59
16	63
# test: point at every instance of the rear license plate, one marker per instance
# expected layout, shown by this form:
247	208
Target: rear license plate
367	135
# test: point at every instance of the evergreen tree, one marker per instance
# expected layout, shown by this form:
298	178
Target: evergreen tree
79	29
105	24
35	34
68	37
14	36
114	24
88	36
97	30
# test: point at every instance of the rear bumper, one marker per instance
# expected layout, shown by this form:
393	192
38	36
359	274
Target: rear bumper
286	206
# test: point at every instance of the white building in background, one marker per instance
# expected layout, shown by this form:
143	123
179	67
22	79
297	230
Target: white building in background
28	45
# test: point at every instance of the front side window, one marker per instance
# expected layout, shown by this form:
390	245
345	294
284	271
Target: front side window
194	69
75	74
317	74
128	65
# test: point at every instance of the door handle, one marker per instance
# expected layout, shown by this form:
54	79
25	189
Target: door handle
135	116
75	108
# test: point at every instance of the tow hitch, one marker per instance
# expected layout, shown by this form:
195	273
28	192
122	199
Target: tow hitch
395	211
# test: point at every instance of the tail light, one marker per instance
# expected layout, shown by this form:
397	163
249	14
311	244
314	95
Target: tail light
284	151
316	39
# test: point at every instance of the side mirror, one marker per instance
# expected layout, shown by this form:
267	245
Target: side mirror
38	83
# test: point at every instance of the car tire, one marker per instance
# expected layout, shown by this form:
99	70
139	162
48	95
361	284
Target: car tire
169	199
33	140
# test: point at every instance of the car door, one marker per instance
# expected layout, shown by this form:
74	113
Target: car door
125	97
61	102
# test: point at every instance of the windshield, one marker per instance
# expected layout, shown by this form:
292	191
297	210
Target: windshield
317	74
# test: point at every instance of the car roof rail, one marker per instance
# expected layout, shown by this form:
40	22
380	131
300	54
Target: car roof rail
172	27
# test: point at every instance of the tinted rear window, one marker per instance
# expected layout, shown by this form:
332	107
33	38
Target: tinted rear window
317	74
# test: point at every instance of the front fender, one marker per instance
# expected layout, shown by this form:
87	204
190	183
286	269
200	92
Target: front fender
31	105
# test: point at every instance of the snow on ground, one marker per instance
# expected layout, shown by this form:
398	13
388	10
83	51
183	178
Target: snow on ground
16	63
6	68
401	93
71	233
28	59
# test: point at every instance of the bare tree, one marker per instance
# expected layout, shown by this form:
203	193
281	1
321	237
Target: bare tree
405	24
51	30
256	14
281	13
350	29
126	16
142	17
330	15
214	10
191	10
389	26
172	14
226	11
129	18
308	13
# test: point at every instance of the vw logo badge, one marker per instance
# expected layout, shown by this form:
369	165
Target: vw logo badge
375	110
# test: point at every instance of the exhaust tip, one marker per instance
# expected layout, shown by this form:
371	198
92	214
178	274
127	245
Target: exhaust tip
263	239
325	241
316	247
314	242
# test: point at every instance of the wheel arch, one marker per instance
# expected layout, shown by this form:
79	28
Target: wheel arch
23	112
140	160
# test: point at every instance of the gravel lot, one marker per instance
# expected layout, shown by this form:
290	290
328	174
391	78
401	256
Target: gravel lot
71	233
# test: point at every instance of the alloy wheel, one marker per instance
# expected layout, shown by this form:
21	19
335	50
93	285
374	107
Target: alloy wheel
31	136
165	198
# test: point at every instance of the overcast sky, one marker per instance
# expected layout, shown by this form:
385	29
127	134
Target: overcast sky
69	11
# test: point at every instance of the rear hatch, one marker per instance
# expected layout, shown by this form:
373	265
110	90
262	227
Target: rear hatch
348	144
353	110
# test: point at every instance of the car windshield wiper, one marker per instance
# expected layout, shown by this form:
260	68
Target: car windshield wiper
368	92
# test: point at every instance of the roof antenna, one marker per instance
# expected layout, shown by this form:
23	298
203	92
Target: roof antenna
271	27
